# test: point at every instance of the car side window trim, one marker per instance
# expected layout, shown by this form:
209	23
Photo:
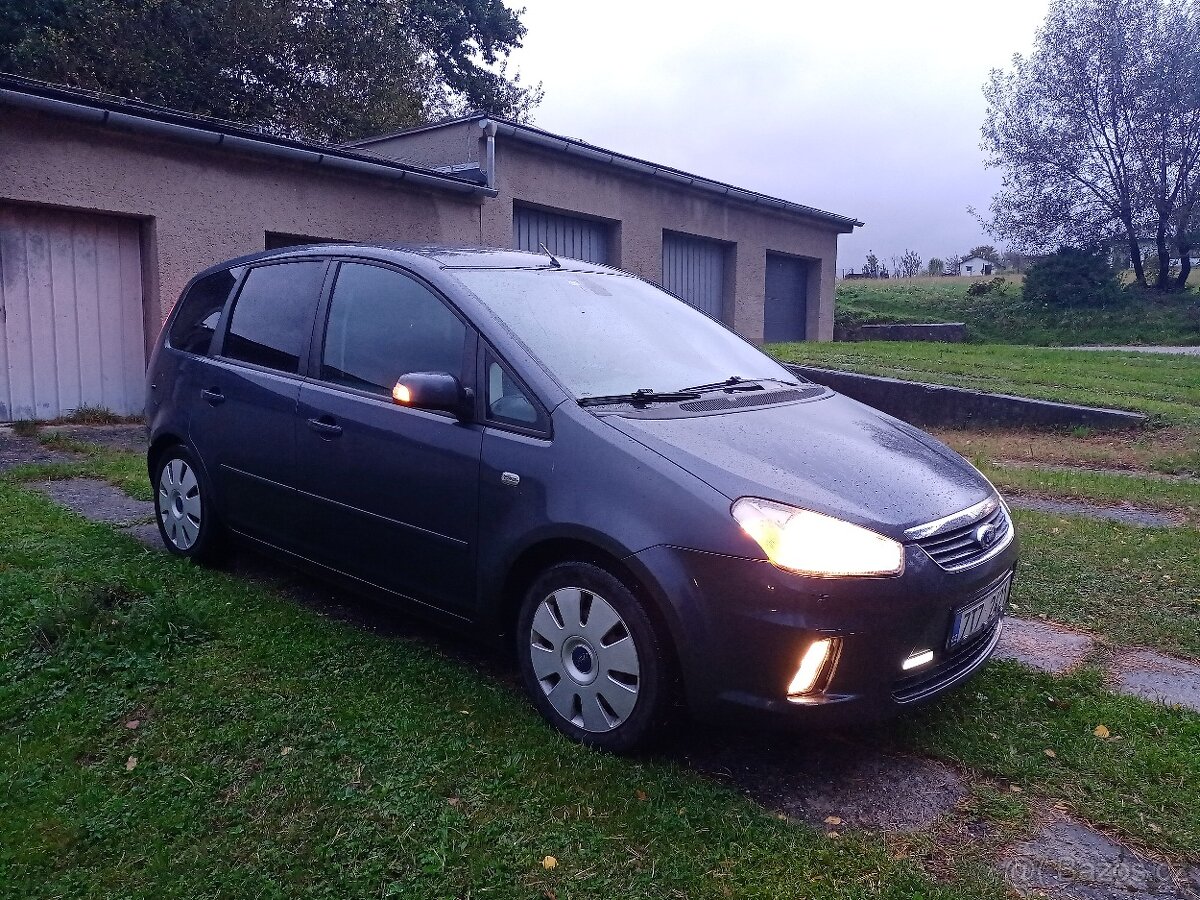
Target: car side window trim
487	355
219	339
316	352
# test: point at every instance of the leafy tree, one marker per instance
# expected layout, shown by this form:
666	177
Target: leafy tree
326	69
871	268
910	264
1071	277
983	251
953	262
935	268
1097	131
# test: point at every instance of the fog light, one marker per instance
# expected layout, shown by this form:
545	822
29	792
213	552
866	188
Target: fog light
811	664
918	659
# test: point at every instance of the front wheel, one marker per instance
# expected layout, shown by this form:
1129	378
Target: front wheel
187	521
592	659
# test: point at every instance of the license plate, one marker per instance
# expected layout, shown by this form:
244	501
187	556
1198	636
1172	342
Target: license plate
979	614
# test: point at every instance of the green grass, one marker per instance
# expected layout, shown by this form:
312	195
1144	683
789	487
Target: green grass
278	752
1105	488
1132	585
1163	386
1002	316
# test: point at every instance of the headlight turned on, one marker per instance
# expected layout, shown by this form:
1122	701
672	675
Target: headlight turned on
810	543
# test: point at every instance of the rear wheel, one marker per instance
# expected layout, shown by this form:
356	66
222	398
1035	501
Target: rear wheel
592	659
187	521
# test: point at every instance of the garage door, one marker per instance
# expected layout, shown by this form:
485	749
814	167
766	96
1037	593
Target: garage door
71	328
785	316
563	235
693	269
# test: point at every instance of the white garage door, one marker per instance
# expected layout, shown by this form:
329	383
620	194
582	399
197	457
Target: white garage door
71	327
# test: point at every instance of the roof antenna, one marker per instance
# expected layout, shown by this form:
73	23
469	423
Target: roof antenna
556	263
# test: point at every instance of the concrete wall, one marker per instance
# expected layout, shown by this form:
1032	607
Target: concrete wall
201	206
642	208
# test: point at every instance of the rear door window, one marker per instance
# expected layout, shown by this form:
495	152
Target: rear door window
383	324
199	311
272	316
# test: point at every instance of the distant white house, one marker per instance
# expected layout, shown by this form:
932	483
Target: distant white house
977	265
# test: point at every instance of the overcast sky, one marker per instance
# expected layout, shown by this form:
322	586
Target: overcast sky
868	109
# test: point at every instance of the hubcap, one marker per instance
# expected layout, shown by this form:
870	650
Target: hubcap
179	506
585	660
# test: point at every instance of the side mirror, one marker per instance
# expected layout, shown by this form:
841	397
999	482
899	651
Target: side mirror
433	390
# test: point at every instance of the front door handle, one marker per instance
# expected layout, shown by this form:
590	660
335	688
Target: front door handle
213	396
326	426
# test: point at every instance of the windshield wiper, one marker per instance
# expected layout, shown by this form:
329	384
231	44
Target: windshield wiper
640	396
735	382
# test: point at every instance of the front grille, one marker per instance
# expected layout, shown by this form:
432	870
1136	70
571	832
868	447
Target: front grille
960	547
961	661
752	398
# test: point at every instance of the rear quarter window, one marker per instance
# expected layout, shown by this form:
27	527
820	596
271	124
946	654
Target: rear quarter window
200	309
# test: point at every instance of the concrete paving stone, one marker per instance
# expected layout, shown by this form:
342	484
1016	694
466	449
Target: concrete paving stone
1045	646
1125	514
19	451
1155	676
1068	859
97	500
145	533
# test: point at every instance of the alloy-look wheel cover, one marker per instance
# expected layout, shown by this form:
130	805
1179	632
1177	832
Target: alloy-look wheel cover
179	506
584	659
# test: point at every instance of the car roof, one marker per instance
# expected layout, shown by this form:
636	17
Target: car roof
442	256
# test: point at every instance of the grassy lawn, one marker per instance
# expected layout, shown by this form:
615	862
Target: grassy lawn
1163	386
1001	316
279	752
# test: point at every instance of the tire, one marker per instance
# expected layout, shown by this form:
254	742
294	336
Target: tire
183	502
593	661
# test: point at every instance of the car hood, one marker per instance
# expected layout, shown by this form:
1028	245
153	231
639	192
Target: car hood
834	455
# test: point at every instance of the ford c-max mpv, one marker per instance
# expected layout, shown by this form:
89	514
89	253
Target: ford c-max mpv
656	515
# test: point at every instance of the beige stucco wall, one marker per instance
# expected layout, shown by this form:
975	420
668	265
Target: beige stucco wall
201	206
642	209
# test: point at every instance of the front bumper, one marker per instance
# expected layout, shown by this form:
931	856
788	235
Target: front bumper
740	627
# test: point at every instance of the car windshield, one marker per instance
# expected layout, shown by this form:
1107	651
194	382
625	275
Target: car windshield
602	335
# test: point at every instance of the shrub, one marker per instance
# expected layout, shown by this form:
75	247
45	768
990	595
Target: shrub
1071	277
979	288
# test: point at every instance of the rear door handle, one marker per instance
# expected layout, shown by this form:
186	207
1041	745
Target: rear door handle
213	395
326	426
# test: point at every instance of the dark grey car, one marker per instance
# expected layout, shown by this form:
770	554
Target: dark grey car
561	456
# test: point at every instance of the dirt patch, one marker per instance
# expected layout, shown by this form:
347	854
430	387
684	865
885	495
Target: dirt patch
1095	470
1045	646
1155	676
1125	513
830	781
97	501
127	438
20	451
1070	860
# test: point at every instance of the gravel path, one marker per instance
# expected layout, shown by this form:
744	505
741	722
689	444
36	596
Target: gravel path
1179	351
1125	514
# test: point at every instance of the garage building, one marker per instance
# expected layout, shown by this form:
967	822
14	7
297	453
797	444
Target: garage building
108	207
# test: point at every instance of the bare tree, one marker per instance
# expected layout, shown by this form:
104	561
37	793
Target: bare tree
910	264
953	262
871	266
1097	131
